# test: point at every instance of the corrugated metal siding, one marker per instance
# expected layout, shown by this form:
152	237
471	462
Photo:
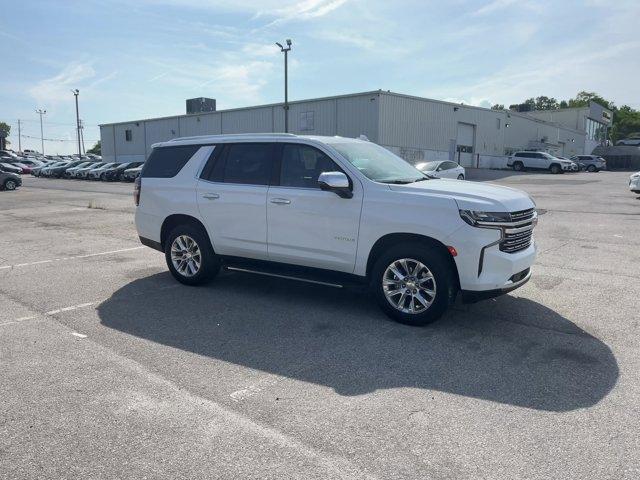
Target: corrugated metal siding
160	131
358	115
107	143
192	125
257	120
424	124
324	118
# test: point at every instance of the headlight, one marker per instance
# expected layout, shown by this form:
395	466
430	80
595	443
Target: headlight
472	217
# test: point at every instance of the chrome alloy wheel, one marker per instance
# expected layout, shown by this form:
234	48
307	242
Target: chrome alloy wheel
185	256
409	286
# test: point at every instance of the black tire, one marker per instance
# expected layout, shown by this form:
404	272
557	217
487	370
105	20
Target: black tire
591	168
441	269
555	169
518	166
103	177
461	177
209	264
10	184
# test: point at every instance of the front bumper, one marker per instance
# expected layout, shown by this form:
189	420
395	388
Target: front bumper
634	185
516	281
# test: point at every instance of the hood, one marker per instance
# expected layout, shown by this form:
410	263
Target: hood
472	195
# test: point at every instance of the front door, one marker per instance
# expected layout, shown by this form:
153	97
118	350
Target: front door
308	226
232	198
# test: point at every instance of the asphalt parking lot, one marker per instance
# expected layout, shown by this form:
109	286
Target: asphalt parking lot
111	369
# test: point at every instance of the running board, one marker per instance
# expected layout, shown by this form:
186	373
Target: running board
288	277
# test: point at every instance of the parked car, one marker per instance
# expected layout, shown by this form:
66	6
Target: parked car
130	174
28	161
25	168
8	167
9	180
70	172
59	171
442	169
520	161
590	163
48	171
634	183
631	142
94	173
115	173
82	172
332	208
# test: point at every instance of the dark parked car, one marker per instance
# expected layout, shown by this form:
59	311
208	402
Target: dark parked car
9	181
130	174
58	172
7	167
114	174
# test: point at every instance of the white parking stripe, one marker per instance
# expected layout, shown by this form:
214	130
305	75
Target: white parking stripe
64	259
68	309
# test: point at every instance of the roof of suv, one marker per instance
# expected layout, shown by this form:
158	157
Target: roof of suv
251	136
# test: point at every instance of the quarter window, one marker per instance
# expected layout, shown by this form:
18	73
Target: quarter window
302	165
166	162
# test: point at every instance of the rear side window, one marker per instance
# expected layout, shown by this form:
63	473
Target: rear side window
166	162
241	163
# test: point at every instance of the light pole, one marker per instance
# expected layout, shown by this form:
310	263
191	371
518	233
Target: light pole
285	50
76	92
41	112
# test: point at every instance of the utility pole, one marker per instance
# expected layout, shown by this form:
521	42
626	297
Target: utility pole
41	112
19	138
82	137
76	92
286	83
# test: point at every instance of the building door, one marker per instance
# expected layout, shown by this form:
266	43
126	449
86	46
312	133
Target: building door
465	144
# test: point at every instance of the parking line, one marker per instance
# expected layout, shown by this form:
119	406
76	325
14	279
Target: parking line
64	259
69	309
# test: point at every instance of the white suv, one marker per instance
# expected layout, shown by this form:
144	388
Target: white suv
332	210
520	161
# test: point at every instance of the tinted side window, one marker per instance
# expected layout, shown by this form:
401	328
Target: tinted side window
248	163
166	162
302	165
449	165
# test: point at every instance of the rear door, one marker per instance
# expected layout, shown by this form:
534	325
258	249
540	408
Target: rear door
232	196
308	226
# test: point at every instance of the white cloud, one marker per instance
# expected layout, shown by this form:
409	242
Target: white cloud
57	88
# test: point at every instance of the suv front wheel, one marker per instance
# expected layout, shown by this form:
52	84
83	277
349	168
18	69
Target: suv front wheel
189	255
518	166
412	284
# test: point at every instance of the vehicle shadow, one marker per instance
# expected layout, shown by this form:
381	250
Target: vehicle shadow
508	350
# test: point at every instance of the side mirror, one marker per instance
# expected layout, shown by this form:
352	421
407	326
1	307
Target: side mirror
336	182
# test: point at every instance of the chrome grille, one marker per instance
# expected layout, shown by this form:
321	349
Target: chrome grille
517	237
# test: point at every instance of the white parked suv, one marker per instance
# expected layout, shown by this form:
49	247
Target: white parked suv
520	161
332	210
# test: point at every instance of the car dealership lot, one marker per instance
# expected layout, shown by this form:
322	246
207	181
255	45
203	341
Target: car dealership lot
111	369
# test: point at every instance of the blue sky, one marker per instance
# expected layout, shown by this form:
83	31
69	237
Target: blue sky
134	59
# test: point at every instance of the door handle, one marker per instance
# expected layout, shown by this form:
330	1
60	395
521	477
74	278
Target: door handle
211	196
280	201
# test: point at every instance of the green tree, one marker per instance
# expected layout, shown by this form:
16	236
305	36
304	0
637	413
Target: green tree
5	128
546	103
497	106
96	149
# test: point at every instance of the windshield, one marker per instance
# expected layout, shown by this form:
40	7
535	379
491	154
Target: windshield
378	163
428	166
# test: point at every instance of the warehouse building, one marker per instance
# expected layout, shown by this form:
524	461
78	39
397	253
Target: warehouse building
417	129
594	120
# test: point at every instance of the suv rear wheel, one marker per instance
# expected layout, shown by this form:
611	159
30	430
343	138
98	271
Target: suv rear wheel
189	255
591	168
413	284
518	166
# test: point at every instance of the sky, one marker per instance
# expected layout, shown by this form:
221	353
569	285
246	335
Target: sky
134	59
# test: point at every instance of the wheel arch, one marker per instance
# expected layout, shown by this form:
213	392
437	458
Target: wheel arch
391	239
174	220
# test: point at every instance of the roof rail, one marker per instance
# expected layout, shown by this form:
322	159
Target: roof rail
240	135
